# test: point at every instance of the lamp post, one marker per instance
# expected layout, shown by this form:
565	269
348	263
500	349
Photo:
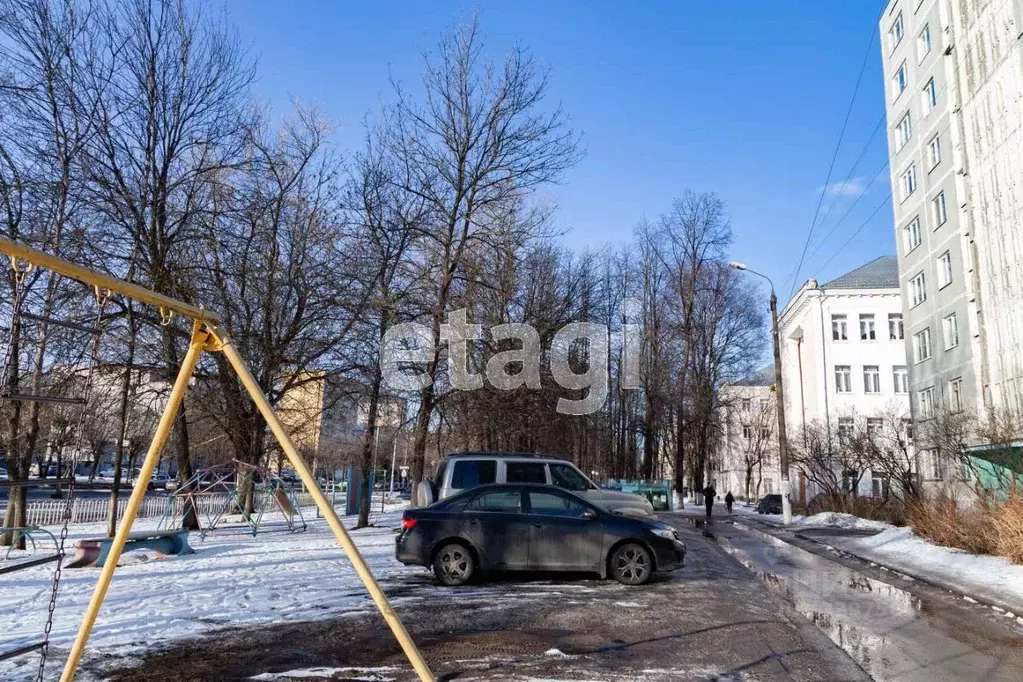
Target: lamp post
783	451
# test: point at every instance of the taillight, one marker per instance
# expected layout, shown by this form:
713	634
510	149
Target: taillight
408	524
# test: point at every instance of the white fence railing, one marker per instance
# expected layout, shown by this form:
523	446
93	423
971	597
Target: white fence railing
94	510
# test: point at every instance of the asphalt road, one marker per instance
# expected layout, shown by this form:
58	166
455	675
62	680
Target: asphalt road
712	620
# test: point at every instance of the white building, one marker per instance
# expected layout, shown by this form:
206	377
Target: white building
954	100
747	452
844	357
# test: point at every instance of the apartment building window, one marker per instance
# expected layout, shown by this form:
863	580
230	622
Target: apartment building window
900	375
930	97
939	210
934	152
903	131
746	404
874	426
896	32
922	345
917	290
867	331
896	332
950	331
839	328
765	433
926	402
955	395
871	379
845	428
763	405
900	80
944	270
907	183
911	234
843	379
923	43
747	432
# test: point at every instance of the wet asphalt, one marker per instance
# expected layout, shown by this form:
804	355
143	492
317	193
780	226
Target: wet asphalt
712	620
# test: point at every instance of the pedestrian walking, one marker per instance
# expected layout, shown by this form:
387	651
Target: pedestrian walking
729	501
708	498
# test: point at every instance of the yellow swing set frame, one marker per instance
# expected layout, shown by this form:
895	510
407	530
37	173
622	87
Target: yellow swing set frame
206	336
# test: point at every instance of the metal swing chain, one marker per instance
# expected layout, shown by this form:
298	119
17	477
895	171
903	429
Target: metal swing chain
102	297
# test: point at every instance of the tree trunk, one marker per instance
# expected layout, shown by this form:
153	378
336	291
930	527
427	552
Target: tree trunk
122	430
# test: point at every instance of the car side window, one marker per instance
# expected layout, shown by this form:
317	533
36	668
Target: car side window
472	473
507	502
526	472
566	476
549	504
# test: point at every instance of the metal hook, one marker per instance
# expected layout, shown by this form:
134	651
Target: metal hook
166	316
102	295
19	270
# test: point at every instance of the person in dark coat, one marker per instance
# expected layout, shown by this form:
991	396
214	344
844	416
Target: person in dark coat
708	498
729	501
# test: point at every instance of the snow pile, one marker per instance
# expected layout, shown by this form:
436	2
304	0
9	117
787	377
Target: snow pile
991	578
232	579
838	520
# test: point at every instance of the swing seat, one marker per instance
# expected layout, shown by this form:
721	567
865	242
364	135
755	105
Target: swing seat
94	551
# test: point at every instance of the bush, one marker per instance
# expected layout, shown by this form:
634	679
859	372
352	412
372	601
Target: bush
944	521
890	511
1007	522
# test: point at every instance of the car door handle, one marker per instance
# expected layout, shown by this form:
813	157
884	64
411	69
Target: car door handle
474	522
537	524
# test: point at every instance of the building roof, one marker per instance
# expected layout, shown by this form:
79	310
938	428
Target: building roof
762	377
880	273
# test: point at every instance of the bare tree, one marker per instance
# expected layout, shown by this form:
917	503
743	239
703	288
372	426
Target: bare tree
482	138
168	97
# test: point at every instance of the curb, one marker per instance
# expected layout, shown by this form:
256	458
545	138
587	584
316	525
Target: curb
1005	607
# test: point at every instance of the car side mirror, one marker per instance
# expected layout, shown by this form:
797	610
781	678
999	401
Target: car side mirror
590	514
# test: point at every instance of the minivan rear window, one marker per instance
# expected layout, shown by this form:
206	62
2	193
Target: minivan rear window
473	472
526	472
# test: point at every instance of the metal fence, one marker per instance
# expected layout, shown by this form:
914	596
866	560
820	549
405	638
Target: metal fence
94	510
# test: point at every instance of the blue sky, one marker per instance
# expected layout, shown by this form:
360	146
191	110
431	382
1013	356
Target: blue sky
744	99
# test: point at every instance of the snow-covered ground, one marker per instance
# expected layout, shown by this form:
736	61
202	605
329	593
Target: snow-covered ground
828	520
232	579
993	579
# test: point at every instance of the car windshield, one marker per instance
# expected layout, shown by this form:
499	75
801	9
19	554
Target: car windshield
568	477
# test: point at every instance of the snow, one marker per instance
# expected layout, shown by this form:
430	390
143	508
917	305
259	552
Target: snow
991	579
828	520
232	579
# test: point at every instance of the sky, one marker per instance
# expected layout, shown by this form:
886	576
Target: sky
744	99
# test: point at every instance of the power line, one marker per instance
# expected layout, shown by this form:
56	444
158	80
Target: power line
838	146
845	215
852	171
857	232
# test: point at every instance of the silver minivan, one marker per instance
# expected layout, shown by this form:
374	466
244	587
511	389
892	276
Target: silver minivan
465	470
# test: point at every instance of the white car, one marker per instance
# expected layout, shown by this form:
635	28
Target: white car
461	471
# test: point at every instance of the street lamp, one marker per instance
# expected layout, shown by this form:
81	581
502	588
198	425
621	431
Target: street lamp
783	451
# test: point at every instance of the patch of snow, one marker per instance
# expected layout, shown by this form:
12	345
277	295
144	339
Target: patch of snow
556	652
374	674
233	579
969	599
987	577
838	520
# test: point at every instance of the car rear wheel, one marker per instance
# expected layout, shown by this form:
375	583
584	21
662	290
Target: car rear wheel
631	564
453	565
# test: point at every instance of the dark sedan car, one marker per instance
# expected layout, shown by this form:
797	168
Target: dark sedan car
534	527
769	504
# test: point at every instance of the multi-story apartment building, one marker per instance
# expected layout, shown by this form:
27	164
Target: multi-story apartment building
932	234
844	356
953	89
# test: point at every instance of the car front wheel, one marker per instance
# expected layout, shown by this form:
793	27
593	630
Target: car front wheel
453	565
631	564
